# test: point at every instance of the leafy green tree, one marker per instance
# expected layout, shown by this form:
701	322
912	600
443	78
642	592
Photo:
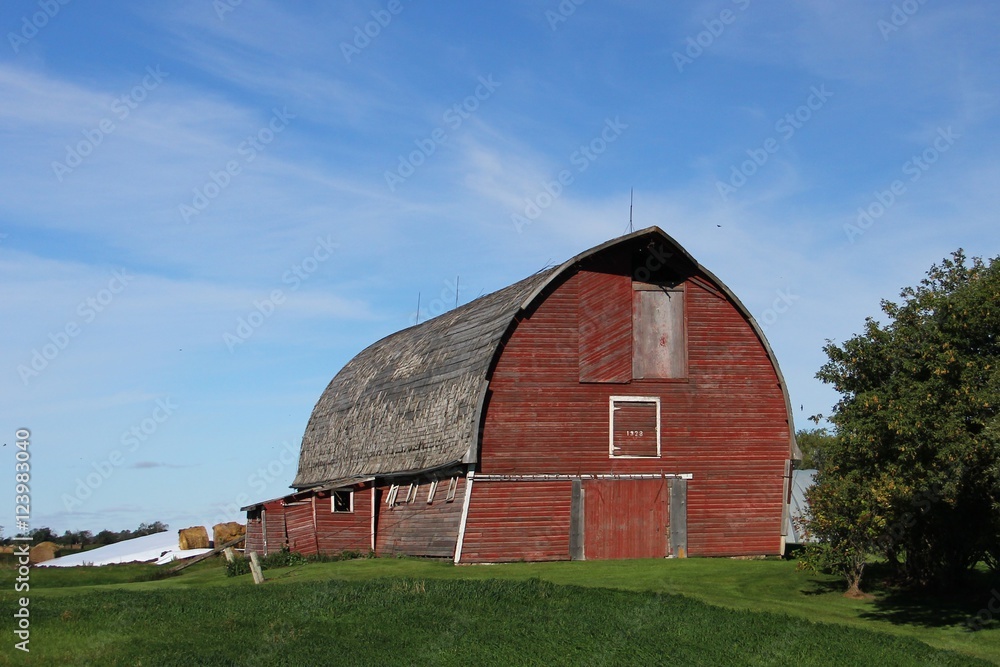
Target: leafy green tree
917	456
845	514
814	445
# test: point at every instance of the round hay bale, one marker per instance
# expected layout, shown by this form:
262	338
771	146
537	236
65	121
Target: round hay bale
195	537
43	551
227	532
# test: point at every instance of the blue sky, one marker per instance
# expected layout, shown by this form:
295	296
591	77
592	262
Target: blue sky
209	207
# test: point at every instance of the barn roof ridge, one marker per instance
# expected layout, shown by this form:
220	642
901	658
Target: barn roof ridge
413	400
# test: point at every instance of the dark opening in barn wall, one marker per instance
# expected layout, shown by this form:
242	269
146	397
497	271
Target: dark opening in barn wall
342	501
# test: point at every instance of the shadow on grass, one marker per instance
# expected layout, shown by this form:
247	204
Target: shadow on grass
824	587
924	610
968	605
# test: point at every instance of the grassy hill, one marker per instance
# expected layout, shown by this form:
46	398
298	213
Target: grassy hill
405	611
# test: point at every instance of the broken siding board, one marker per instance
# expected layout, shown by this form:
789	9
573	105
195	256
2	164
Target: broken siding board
301	530
419	528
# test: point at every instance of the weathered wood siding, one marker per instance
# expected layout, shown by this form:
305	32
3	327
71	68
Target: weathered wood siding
344	531
300	526
658	341
518	520
273	518
419	528
725	422
255	533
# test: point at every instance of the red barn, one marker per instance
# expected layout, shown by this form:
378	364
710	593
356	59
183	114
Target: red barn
622	405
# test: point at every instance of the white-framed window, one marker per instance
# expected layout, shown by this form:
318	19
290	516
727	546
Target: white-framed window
390	498
634	431
411	493
342	501
431	490
452	490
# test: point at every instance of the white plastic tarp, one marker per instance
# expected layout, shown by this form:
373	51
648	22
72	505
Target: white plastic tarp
159	547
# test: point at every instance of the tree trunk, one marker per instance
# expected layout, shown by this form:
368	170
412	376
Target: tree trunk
854	591
853	575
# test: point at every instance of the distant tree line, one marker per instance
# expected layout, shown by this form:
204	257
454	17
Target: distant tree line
86	538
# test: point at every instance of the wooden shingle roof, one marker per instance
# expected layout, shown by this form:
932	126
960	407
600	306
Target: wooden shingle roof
412	400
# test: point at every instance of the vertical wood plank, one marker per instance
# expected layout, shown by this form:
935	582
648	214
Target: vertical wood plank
258	574
658	341
576	523
678	518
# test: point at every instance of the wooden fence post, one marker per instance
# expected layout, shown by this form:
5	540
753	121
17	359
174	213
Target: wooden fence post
258	574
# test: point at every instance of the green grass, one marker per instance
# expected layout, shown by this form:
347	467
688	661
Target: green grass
65	577
458	622
408	611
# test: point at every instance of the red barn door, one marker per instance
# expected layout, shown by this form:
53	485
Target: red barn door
625	518
300	526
